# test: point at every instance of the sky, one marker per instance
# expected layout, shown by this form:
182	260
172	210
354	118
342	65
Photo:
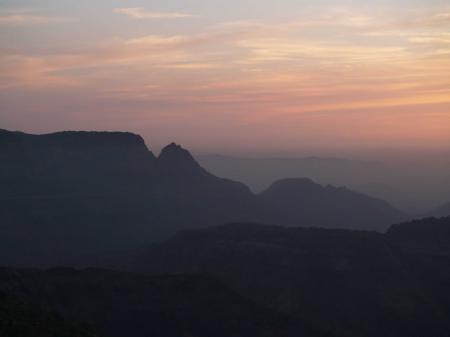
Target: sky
223	76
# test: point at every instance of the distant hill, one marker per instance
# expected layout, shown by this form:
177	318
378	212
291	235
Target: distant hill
259	173
346	281
396	177
123	305
301	201
69	196
441	211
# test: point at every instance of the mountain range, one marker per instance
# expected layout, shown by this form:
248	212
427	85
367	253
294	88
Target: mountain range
70	195
392	175
192	254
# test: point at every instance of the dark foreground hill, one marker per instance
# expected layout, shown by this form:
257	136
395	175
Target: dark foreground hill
123	305
20	319
351	282
69	196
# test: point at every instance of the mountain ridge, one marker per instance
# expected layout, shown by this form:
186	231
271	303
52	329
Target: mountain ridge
81	188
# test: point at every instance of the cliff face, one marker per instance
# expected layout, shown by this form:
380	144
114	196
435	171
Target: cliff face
70	163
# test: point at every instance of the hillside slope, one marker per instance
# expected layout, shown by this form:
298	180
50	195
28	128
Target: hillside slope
122	304
354	283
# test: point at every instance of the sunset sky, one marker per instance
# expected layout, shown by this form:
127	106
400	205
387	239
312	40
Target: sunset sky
215	75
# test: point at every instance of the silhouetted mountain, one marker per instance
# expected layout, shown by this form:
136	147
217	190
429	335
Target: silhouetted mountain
301	201
178	169
70	163
174	159
354	283
194	195
80	193
123	305
69	196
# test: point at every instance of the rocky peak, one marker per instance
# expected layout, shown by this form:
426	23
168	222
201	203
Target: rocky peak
175	156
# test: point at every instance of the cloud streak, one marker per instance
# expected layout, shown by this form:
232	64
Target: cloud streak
139	13
23	20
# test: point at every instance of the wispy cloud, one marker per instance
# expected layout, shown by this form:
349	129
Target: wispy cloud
33	72
28	19
441	19
157	41
139	13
